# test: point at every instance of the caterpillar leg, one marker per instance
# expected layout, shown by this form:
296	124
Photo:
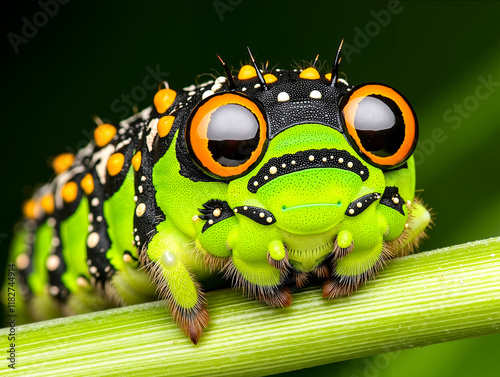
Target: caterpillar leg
259	263
165	263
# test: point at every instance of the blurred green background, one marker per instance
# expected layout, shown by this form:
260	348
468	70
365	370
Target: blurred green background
85	58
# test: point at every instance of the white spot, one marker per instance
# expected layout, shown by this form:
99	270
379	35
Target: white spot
189	88
137	238
293	162
236	210
54	290
91	217
141	208
53	262
123	143
216	87
349	164
153	125
99	219
343	82
93	240
107	269
143	178
22	261
191	93
395	200
283	97
273	170
140	189
341	160
168	258
220	80
311	158
90	228
82	282
351	211
407	225
315	94
93	270
266	177
95	202
261	214
135	198
492	255
55	242
256	86
283	166
362	172
359	204
243	89
324	159
217	212
210	222
206	94
255	183
127	258
245	208
408	203
52	222
269	219
195	217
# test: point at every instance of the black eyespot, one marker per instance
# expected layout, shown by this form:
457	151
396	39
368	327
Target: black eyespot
380	124
226	135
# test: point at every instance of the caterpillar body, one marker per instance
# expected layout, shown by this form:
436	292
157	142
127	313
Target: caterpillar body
269	177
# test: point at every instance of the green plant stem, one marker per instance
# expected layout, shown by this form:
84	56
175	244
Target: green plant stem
431	297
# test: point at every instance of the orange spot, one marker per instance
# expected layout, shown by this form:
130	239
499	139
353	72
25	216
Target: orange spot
47	203
247	72
103	134
328	76
164	98
87	184
309	74
31	209
136	161
164	125
115	163
63	162
270	78
69	191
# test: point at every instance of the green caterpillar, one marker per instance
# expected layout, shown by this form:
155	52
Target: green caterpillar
270	177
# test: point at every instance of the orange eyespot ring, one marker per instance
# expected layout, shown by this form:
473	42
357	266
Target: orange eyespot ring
380	124
226	134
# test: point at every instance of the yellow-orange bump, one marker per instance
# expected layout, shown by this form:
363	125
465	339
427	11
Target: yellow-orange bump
247	72
69	191
31	209
270	78
164	98
103	134
87	184
115	163
47	203
136	161
164	125
62	162
328	76
309	74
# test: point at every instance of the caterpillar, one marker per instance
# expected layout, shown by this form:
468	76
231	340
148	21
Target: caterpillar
270	177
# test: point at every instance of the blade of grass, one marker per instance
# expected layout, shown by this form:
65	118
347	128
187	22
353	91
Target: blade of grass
431	297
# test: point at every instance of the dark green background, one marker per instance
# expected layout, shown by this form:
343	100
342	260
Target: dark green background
91	53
